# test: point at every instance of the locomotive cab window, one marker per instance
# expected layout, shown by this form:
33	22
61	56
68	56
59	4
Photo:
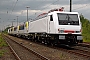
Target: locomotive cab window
68	19
51	18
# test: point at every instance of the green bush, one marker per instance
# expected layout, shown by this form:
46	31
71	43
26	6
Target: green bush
85	29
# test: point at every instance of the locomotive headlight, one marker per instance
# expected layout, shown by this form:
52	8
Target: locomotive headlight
80	30
77	31
60	31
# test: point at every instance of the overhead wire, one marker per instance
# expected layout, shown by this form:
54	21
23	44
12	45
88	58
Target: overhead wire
81	7
51	4
13	7
48	6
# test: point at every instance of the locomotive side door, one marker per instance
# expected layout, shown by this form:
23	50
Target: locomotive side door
26	27
51	24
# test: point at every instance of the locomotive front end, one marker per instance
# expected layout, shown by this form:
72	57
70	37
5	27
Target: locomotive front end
69	28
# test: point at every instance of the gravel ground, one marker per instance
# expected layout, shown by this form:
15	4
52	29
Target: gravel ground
53	54
22	52
7	54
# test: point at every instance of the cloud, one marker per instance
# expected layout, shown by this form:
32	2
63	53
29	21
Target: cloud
24	12
47	7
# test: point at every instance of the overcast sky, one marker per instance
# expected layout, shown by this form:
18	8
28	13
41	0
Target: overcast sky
9	9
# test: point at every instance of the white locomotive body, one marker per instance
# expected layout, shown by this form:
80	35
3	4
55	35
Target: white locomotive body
54	28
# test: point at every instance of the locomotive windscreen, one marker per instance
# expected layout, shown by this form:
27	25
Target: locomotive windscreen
68	19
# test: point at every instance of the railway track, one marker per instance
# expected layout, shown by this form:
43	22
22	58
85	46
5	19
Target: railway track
83	49
21	52
76	51
84	45
80	50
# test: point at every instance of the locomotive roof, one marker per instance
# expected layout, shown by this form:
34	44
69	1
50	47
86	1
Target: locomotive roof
50	13
62	12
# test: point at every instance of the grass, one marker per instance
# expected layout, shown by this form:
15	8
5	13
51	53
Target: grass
84	40
2	53
86	37
2	44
